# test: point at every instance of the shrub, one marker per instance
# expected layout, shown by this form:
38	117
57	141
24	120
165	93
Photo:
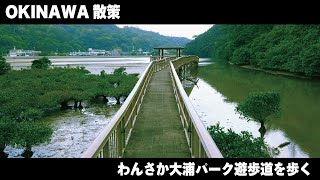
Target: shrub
7	130
242	145
120	71
42	63
4	66
30	134
260	107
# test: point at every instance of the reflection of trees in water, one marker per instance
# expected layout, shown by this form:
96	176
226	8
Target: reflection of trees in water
188	75
189	70
300	100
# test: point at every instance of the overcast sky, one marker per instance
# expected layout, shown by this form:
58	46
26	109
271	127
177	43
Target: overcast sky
174	30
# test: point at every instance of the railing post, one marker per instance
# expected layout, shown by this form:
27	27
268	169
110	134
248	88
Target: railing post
190	138
195	144
120	139
105	150
111	145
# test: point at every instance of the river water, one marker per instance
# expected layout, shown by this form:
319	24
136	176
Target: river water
221	87
93	64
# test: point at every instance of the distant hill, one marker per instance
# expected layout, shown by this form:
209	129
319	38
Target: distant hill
67	38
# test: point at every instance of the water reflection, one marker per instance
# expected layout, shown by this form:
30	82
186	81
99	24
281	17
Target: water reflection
222	86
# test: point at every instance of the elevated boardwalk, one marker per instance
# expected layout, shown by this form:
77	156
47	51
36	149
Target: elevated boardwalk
157	120
158	131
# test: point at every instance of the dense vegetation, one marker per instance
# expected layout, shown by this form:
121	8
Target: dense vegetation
42	63
68	38
28	95
292	48
4	66
242	145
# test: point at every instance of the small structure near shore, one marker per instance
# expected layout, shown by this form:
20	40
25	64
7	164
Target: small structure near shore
162	49
20	52
92	52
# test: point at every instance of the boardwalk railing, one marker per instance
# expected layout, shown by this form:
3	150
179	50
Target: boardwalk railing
113	140
199	140
156	57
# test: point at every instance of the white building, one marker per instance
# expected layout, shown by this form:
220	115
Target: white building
20	52
91	52
97	52
79	53
146	53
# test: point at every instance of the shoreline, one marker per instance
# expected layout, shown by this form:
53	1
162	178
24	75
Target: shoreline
66	57
278	72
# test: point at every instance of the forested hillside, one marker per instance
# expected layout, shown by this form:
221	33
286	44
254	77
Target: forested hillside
292	48
67	38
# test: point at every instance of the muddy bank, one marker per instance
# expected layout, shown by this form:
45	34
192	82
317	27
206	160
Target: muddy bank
74	131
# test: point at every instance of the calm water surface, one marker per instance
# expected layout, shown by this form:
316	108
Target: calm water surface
221	87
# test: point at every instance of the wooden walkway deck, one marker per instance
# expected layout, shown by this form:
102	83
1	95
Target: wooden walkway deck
157	120
158	131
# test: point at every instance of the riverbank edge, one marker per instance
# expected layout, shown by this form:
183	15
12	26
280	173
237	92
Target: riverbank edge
64	57
274	72
277	72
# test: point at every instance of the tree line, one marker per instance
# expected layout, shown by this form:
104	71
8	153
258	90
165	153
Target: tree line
62	38
291	48
28	95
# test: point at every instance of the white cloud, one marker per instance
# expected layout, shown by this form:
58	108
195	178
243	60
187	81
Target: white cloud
187	31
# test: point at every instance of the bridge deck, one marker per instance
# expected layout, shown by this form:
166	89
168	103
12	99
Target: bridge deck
158	130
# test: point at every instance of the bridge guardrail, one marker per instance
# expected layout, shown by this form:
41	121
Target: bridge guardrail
199	140
113	139
157	57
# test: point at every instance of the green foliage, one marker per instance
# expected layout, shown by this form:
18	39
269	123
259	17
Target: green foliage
4	66
103	73
30	94
292	48
31	114
27	95
42	63
120	71
259	106
122	85
31	134
51	39
243	145
241	56
7	131
202	45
